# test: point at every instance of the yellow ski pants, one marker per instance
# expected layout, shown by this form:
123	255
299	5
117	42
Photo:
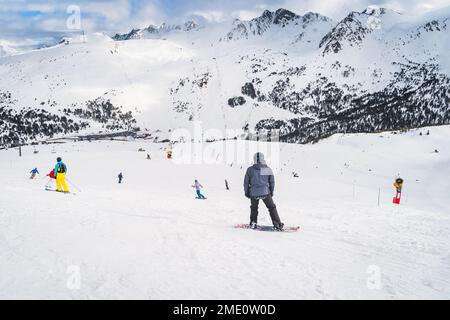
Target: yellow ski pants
61	181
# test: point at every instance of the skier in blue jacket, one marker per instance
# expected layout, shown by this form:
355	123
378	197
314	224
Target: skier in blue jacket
259	184
34	172
60	173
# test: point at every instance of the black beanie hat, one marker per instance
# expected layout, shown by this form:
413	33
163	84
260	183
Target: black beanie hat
58	159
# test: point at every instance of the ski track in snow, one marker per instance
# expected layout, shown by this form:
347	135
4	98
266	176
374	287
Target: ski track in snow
149	238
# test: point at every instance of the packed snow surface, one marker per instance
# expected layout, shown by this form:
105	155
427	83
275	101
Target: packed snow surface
149	238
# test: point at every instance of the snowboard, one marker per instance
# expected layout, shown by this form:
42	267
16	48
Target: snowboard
267	228
48	189
201	198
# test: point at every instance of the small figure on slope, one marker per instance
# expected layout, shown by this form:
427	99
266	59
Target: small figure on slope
259	184
120	176
60	175
51	177
398	184
226	185
148	157
197	187
34	172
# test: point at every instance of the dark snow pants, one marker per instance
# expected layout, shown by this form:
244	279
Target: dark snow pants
199	195
268	201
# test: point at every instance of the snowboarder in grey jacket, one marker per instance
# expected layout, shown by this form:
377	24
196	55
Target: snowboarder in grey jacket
259	184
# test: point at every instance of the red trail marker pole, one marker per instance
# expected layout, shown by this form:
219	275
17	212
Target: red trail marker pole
398	186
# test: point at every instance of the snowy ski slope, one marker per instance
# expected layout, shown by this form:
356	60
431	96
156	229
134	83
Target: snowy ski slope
149	238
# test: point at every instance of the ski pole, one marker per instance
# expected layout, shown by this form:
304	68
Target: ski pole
46	184
379	191
79	190
73	185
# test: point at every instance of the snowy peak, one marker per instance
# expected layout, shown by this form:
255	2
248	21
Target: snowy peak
311	17
190	25
434	25
156	32
164	28
352	29
374	11
133	34
6	49
283	17
280	18
357	26
259	25
313	28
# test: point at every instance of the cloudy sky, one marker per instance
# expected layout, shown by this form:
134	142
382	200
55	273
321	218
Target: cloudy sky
32	21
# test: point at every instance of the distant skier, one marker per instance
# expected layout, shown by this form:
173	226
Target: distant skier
259	184
120	176
197	187
148	157
34	172
51	177
226	185
60	175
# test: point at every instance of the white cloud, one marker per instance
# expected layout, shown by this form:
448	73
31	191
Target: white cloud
210	15
246	14
147	13
429	5
113	11
53	25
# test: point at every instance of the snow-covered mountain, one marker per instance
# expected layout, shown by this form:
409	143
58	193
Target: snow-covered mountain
156	32
6	49
281	20
307	76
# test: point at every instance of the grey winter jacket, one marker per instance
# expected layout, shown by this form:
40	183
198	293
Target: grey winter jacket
259	181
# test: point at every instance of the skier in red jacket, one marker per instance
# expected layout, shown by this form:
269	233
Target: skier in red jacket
51	175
